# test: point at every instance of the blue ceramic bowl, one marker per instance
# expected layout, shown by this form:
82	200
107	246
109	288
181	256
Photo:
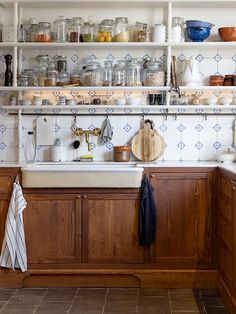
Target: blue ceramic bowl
198	34
196	23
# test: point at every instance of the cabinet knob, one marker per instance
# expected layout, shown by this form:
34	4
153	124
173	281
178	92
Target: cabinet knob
152	175
84	196
78	196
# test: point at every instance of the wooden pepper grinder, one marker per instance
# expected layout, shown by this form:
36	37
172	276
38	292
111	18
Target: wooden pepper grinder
8	73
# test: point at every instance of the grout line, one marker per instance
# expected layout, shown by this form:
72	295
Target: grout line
103	309
73	301
7	302
40	301
171	312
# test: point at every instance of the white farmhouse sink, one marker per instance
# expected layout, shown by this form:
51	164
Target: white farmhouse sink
71	175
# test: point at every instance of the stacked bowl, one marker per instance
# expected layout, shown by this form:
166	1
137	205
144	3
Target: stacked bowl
198	31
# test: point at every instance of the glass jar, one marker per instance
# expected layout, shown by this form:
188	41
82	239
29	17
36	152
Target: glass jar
121	32
61	64
152	76
177	31
22	80
76	30
106	31
69	23
108	73
89	32
134	74
41	76
31	77
63	79
52	74
75	78
44	32
119	73
42	60
60	27
92	74
139	28
34	29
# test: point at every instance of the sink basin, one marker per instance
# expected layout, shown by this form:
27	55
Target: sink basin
71	175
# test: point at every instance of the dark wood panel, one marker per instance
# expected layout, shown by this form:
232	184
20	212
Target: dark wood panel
4	202
52	228
110	229
7	178
184	217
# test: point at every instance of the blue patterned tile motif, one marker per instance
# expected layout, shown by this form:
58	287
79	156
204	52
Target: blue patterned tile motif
128	57
3	94
181	127
181	145
2	58
217	110
109	110
216	145
199	127
217	93
2	111
2	128
146	57
92	93
109	93
38	111
3	146
92	145
55	110
181	58
75	58
92	110
163	128
233	110
127	128
181	110
2	75
199	145
38	93
109	146
234	58
57	128
217	127
91	127
74	110
92	57
110	57
127	93
199	57
73	93
145	110
199	110
56	93
163	58
217	57
127	110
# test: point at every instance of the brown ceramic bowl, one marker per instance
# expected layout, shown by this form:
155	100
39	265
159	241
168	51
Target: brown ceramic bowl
227	33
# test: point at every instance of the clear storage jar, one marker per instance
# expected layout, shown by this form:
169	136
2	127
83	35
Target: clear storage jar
138	31
177	31
76	30
108	73
121	32
134	74
61	64
119	73
106	31
152	76
44	32
92	74
60	27
41	76
89	32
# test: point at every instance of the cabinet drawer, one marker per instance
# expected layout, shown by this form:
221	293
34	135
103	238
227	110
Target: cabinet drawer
225	261
6	182
225	231
225	208
225	187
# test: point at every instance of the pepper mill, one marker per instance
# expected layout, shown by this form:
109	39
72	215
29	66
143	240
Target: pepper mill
8	72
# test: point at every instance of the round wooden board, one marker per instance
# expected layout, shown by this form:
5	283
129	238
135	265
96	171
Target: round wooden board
147	144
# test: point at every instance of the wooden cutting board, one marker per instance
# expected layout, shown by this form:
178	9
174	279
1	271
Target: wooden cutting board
147	144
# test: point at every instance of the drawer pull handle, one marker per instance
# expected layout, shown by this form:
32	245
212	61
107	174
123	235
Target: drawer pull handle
152	175
78	196
84	196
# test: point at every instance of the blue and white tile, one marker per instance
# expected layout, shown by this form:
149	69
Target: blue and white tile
10	122
207	152
190	152
208	137
172	137
190	136
225	136
226	66
9	153
172	153
10	137
64	122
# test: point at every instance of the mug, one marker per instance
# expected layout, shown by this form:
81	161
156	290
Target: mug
62	100
45	102
157	99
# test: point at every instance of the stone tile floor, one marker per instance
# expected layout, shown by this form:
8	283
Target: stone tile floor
110	301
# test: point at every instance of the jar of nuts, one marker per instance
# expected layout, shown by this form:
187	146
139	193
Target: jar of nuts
152	76
92	74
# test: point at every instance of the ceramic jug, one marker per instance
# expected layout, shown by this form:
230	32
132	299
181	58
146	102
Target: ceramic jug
191	75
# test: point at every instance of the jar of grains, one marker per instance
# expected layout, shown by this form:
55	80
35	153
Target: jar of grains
121	29
92	74
152	76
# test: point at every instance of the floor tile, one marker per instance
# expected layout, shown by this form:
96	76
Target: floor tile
60	294
122	306
2	304
30	291
87	305
153	292
217	310
18	309
124	296
212	301
5	294
53	307
91	292
154	305
25	300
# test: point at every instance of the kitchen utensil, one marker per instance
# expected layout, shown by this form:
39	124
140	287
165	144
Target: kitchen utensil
227	33
147	144
174	84
75	144
45	127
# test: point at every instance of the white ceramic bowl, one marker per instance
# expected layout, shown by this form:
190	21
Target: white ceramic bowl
121	101
226	100
226	157
211	100
26	102
133	101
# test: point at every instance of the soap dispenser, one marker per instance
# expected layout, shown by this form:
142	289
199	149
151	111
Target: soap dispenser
58	151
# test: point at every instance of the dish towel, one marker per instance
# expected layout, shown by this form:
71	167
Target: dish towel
106	132
13	252
147	214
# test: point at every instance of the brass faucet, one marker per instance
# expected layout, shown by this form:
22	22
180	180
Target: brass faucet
80	131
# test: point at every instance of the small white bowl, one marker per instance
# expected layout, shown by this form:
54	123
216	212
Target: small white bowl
226	100
26	102
133	101
211	100
121	101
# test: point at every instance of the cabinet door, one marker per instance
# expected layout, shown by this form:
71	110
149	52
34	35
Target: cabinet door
184	218
234	230
110	229
4	202
52	228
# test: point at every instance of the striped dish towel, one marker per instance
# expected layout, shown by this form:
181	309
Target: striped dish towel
13	252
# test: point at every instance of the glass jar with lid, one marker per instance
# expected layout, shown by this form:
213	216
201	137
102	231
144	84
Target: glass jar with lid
41	76
134	74
61	64
63	79
75	78
152	75
119	73
22	80
60	27
33	30
89	32
177	30
75	32
139	28
92	74
52	74
106	31
43	60
31	77
108	73
44	32
121	32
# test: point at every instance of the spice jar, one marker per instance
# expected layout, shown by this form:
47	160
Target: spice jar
121	153
76	30
106	31
92	74
33	31
177	32
119	73
89	32
52	74
108	73
134	74
41	76
121	32
75	78
44	32
60	27
152	76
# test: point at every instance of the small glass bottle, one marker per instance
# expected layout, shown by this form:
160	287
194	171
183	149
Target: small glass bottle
108	73
106	31
76	30
134	74
30	148
89	31
119	73
21	34
60	27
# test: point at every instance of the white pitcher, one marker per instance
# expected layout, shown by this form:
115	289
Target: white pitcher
191	75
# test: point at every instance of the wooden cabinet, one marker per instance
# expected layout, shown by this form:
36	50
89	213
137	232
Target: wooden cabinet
184	217
110	228
52	228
